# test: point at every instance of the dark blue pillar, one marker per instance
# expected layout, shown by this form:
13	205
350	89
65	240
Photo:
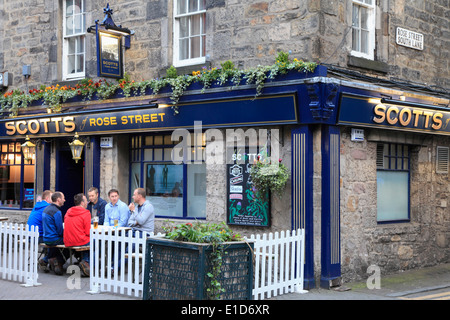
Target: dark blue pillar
302	195
46	149
330	219
95	145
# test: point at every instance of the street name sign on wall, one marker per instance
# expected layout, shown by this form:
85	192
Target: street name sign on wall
408	38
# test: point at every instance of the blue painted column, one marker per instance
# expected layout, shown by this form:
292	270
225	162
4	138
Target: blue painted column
330	219
46	149
95	145
302	195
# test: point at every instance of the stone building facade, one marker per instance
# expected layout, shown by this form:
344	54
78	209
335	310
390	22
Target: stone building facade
251	33
248	33
424	240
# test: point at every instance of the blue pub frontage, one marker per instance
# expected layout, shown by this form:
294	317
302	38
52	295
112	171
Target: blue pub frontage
348	144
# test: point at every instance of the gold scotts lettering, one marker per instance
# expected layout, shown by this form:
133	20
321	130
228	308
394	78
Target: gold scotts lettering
406	116
44	125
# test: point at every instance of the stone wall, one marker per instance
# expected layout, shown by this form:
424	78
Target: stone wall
392	246
114	168
247	32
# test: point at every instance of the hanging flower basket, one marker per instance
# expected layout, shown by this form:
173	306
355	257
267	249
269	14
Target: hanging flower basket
268	176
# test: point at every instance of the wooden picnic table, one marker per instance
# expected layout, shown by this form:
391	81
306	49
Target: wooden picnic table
106	229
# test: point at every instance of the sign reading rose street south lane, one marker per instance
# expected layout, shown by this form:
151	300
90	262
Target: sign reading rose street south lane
409	39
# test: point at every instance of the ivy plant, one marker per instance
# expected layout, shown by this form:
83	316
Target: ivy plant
55	95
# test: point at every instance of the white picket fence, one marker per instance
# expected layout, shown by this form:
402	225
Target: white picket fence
19	253
279	264
278	268
109	273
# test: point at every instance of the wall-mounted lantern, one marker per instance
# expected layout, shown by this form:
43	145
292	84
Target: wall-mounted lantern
76	146
109	45
28	149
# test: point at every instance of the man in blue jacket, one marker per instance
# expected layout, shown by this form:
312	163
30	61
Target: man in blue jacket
52	223
35	219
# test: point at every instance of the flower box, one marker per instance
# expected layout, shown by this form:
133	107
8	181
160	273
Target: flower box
178	270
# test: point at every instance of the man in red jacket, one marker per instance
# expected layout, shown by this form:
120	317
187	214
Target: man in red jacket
77	226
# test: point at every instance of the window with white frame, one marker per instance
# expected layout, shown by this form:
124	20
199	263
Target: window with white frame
74	39
363	28
189	44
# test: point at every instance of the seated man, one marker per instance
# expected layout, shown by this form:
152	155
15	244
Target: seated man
142	218
35	219
96	204
77	227
52	225
116	210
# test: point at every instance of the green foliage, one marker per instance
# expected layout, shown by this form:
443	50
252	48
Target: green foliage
212	233
227	65
54	96
271	177
197	232
283	57
171	73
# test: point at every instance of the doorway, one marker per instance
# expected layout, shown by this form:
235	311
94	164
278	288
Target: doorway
69	175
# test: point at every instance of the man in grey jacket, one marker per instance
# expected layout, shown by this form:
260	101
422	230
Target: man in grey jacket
142	218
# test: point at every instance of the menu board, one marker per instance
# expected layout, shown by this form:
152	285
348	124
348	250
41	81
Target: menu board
244	207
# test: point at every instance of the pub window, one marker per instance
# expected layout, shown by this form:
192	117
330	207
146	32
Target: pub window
174	190
363	28
393	172
189	32
16	177
74	30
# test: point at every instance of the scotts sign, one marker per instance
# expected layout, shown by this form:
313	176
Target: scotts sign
245	111
370	112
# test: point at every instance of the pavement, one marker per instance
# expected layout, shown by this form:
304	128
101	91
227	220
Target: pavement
432	282
422	284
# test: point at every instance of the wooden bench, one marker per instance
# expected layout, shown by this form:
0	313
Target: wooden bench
61	248
133	255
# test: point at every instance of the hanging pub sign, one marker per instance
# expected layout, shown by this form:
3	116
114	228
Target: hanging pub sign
109	54
243	206
109	45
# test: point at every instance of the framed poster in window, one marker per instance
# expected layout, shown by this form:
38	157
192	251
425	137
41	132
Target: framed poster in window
109	52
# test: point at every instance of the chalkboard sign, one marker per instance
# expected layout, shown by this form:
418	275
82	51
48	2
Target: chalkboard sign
244	207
